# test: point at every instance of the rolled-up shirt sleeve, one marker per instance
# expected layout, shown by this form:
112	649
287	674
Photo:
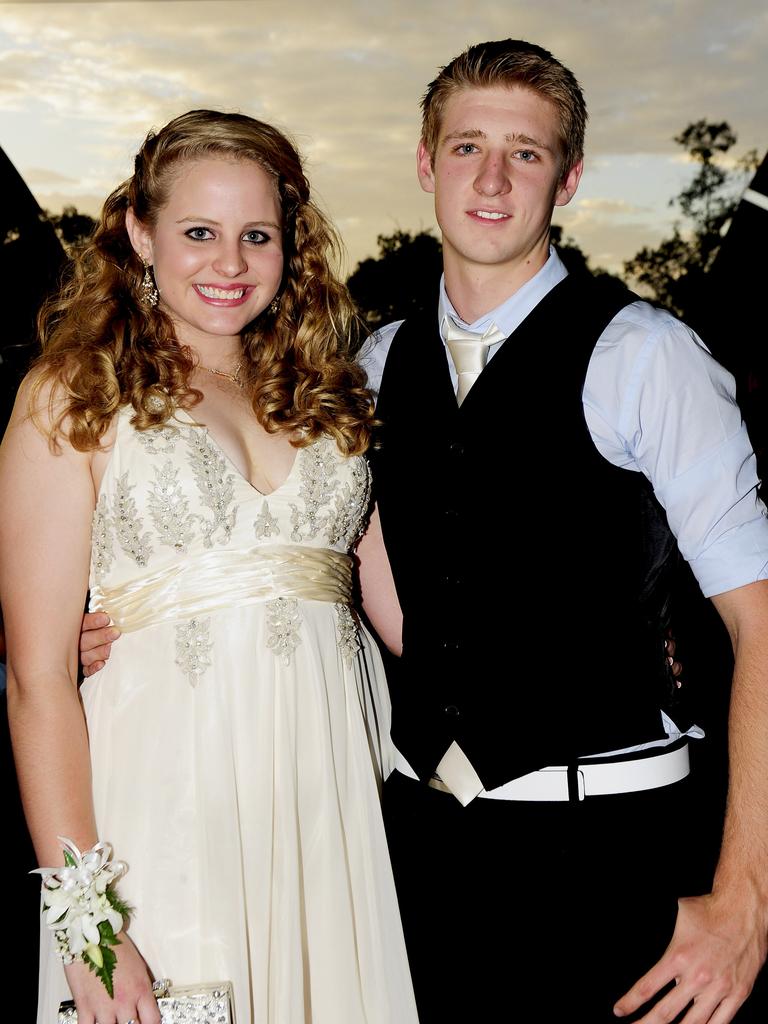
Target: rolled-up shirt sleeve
657	402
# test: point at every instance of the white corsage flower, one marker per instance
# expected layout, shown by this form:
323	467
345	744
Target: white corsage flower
81	907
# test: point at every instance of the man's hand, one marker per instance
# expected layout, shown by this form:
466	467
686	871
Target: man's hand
96	639
720	940
716	951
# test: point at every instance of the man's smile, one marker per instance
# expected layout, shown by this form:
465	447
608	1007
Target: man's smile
490	214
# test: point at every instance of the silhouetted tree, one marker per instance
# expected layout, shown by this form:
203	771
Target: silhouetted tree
675	270
401	281
71	227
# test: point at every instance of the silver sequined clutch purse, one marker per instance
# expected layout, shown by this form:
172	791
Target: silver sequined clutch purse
180	1004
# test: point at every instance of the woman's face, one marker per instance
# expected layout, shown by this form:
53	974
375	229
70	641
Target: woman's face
216	248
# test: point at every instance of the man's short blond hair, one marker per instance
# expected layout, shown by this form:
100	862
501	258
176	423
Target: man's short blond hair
510	62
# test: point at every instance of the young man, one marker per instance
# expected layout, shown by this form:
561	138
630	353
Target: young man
542	820
540	865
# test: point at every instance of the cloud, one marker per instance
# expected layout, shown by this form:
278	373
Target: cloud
609	207
17	71
45	176
56	201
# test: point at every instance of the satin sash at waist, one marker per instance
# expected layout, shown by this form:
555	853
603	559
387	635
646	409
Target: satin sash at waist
225	579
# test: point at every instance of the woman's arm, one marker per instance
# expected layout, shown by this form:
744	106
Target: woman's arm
46	506
380	601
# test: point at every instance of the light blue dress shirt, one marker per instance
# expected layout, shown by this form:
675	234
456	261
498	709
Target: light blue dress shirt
655	402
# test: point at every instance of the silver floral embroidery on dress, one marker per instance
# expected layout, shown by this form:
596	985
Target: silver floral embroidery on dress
159	440
215	485
347	520
193	648
283	621
102	550
129	524
169	508
318	483
347	634
265	524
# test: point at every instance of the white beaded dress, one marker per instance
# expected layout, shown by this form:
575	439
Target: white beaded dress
239	732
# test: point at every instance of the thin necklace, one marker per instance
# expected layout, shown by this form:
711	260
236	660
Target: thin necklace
234	377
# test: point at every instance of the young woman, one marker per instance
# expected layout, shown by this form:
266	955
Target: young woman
190	446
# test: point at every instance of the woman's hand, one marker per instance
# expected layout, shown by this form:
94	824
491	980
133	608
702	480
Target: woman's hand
133	1000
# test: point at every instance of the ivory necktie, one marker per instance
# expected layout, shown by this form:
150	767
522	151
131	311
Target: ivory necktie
469	352
456	772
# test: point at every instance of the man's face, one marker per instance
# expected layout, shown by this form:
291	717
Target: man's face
497	174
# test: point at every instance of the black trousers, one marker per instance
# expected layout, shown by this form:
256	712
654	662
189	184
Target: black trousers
542	912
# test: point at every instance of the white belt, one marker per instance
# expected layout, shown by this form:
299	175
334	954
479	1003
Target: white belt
631	776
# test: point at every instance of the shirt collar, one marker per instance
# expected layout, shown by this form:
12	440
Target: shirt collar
511	313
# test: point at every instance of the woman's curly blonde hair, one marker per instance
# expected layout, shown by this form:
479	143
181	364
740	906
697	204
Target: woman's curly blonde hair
104	348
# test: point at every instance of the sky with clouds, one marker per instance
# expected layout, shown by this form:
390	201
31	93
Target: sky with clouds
81	83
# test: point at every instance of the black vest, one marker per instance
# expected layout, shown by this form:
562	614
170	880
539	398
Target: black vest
531	572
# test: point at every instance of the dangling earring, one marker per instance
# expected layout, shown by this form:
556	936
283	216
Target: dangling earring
274	305
149	292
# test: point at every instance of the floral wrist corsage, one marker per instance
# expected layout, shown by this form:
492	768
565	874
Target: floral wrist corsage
82	908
